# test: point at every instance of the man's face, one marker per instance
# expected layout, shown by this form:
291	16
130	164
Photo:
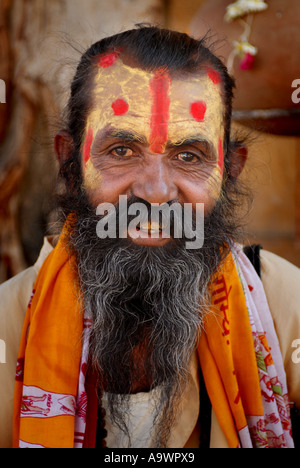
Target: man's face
155	136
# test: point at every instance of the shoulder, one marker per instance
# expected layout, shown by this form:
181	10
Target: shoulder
281	281
14	297
278	269
15	293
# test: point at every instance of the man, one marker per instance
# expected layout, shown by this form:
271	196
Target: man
135	336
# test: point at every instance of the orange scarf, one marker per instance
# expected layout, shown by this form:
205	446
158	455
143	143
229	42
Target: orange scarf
50	355
227	356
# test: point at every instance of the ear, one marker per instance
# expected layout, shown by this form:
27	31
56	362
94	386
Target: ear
237	159
63	146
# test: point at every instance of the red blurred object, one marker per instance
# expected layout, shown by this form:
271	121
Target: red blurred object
247	62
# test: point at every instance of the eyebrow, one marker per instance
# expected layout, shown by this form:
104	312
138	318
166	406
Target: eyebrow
191	141
129	136
132	137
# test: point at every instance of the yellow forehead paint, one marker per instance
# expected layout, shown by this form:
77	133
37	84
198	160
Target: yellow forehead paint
154	105
92	176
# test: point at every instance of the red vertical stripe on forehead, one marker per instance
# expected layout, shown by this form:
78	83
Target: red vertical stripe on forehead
221	156
87	145
159	90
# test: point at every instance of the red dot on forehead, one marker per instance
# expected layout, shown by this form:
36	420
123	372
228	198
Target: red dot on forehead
198	110
214	75
120	107
107	60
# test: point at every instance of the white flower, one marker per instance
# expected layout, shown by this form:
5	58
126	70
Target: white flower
242	48
243	7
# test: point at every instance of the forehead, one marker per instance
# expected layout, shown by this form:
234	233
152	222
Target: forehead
130	98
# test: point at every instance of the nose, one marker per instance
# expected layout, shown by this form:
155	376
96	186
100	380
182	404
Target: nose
155	182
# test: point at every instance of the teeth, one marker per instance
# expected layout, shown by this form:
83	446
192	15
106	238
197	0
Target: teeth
150	227
151	231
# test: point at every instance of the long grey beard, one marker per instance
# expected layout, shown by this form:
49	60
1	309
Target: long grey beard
145	299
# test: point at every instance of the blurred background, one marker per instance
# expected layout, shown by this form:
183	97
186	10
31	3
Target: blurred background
40	44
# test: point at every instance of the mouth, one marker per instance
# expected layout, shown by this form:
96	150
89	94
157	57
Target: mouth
150	228
149	233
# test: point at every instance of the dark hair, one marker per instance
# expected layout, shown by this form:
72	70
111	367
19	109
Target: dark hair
152	47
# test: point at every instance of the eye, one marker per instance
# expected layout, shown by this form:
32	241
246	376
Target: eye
187	157
122	151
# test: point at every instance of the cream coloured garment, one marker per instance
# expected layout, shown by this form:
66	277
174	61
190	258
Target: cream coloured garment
139	421
141	414
281	281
